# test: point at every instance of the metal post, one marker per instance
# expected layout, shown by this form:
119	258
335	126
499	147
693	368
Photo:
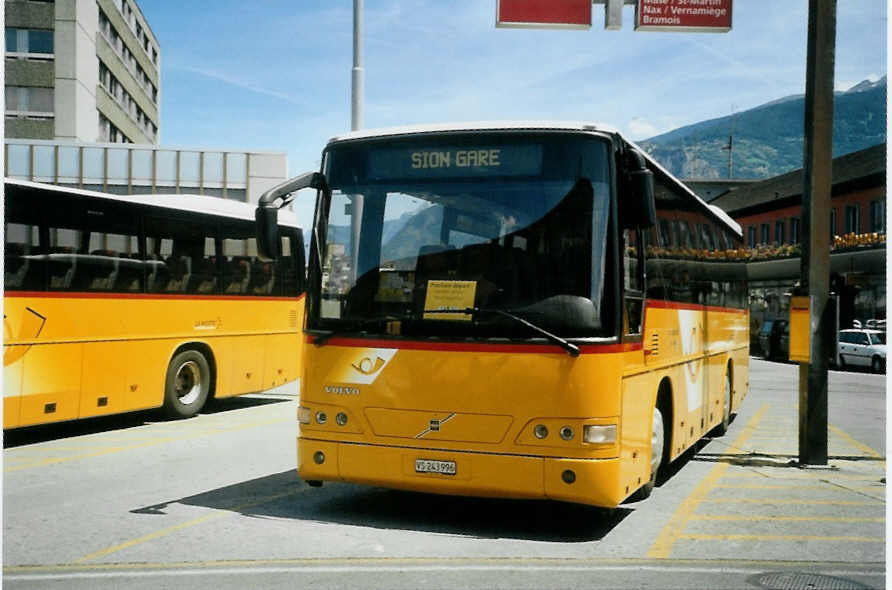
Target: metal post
816	194
613	15
356	102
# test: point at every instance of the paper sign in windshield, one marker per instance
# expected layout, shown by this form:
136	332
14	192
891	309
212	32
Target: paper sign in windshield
449	295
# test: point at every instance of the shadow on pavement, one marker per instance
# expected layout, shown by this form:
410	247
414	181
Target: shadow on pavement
47	432
284	495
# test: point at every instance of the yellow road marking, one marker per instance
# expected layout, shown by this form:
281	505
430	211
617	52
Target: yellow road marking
662	547
787	501
148	443
734	518
696	537
803	476
854	443
826	487
216	514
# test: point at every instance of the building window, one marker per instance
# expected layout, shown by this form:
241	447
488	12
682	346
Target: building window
30	101
878	216
109	133
779	226
765	237
832	224
31	41
852	219
751	236
794	230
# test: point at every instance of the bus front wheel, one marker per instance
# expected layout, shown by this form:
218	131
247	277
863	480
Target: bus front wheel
187	384
657	450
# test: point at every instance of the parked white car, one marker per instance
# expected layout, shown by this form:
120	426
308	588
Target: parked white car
862	348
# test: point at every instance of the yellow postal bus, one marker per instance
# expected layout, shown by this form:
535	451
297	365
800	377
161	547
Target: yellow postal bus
512	310
116	303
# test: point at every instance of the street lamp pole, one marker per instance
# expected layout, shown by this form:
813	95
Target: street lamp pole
356	94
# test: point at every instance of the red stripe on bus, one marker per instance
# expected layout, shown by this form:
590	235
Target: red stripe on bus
662	304
475	347
85	295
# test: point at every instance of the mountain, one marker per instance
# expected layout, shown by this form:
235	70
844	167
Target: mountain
768	139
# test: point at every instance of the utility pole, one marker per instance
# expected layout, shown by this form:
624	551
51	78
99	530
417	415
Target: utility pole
357	77
816	194
730	147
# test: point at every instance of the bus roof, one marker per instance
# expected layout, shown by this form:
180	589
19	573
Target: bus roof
202	204
474	126
543	126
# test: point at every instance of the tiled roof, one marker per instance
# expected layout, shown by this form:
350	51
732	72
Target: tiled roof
863	164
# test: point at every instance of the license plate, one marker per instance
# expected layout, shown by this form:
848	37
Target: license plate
432	466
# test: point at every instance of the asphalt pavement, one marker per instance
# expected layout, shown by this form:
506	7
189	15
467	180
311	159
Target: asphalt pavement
215	502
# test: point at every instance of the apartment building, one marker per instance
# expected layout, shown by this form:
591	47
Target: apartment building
81	70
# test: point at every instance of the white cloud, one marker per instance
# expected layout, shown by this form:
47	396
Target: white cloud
641	129
239	83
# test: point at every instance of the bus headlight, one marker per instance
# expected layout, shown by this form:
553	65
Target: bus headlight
599	434
303	415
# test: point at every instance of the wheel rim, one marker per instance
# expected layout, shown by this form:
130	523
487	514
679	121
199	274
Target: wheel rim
188	382
656	443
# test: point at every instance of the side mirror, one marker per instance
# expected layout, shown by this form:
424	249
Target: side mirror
642	185
639	208
267	219
267	212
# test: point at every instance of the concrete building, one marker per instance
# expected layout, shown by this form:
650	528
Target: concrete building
81	70
146	169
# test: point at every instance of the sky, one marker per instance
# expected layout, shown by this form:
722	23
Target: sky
276	74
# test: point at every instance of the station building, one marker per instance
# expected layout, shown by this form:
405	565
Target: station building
770	214
146	169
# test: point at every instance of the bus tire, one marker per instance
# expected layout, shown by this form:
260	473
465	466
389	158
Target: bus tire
187	384
722	428
657	451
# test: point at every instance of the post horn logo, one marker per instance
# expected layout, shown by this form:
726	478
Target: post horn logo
368	367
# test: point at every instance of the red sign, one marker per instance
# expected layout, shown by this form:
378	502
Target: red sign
712	16
568	14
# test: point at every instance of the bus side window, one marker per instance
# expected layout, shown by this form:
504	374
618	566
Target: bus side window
157	271
190	261
21	267
633	283
63	257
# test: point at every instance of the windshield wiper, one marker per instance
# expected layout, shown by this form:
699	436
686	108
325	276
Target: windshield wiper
321	339
568	347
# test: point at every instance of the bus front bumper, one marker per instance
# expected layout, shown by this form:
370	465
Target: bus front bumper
584	481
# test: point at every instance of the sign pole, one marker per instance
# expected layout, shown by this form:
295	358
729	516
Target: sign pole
816	194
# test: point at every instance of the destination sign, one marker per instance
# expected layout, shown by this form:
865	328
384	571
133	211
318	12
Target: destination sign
447	161
712	16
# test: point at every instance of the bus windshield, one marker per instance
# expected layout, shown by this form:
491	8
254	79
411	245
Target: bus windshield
500	221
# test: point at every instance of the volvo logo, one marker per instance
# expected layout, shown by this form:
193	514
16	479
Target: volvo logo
434	425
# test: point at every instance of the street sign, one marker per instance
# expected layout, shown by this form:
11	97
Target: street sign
709	16
550	14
